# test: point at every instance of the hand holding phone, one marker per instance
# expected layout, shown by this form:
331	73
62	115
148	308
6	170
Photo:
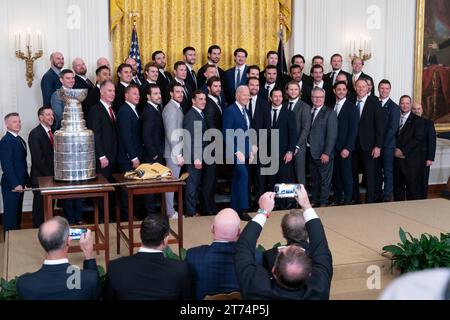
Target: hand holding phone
284	190
75	233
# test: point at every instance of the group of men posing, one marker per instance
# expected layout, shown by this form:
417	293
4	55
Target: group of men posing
330	124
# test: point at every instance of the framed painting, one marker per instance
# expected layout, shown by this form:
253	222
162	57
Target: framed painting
432	61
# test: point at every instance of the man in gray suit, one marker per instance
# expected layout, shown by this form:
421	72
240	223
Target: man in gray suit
302	112
321	141
173	120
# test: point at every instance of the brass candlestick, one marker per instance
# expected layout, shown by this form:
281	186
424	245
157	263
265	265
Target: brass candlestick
29	61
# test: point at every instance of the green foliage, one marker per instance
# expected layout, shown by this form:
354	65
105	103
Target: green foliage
426	252
8	289
168	253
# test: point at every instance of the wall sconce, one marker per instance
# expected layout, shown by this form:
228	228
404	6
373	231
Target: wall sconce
363	50
28	55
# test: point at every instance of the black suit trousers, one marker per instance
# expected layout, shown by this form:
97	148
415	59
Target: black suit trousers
368	163
208	188
408	181
192	189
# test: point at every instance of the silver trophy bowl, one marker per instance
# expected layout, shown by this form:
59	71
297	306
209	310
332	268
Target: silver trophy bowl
74	146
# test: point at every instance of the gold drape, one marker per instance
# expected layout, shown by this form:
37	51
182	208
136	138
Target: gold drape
171	25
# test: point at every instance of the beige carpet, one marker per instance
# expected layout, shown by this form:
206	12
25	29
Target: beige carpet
356	235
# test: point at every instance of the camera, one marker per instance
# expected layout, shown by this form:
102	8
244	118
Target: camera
75	233
285	190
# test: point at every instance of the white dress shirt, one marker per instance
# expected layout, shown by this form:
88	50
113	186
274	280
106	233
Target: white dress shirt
339	105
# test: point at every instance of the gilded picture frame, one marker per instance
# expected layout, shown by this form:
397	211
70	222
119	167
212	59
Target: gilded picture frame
432	69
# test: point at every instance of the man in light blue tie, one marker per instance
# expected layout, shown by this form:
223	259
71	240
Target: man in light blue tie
237	75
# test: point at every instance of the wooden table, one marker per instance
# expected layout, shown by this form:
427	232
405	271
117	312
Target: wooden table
143	187
97	188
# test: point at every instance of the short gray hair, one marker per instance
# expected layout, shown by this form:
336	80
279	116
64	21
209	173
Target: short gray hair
56	239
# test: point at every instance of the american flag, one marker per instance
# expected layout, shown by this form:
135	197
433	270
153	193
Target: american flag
134	50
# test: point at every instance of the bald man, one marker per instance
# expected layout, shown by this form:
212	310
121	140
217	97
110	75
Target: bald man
81	80
50	81
102	61
212	265
134	70
57	279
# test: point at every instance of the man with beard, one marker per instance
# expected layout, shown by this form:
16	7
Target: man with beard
125	75
190	57
50	81
164	77
134	70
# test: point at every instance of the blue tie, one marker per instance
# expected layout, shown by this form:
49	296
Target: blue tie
245	118
358	105
238	78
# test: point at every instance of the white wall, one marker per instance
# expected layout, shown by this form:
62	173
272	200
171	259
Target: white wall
57	21
324	27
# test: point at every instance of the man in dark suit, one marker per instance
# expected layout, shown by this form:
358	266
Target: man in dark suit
211	71
237	75
102	73
357	66
67	79
430	146
148	274
258	110
194	125
299	60
152	136
368	142
13	158
57	279
214	53
302	113
50	81
348	118
391	116
125	75
268	83
294	231
213	117
136	78
295	275
320	82
180	74
164	77
272	60
212	265
305	89
238	150
409	154
321	142
190	57
351	96
336	65
151	74
82	82
282	147
102	121
40	141
253	71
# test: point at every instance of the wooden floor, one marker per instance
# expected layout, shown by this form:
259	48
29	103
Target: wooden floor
355	235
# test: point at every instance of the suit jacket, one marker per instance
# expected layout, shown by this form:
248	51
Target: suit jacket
306	93
391	117
260	118
201	80
13	158
269	256
119	99
328	87
194	149
348	119
256	283
286	125
230	78
80	83
50	283
371	125
323	133
212	268
129	137
41	151
190	80
148	276
163	82
430	139
187	101
411	140
49	84
93	97
143	95
213	114
361	76
152	134
105	134
302	113
173	120
330	80
233	119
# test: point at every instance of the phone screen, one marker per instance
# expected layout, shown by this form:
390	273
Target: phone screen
75	233
284	190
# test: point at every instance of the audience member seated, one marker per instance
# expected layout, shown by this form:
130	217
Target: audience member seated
294	231
212	265
433	284
296	274
148	274
57	279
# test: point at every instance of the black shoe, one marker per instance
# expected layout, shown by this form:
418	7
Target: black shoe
244	216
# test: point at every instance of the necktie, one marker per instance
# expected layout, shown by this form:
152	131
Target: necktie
336	108
159	108
22	142
313	115
359	107
185	92
268	92
250	108
274	119
111	114
402	122
202	115
50	135
194	77
89	82
238	78
290	106
332	77
244	114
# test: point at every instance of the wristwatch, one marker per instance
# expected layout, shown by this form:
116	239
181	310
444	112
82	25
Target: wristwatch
264	212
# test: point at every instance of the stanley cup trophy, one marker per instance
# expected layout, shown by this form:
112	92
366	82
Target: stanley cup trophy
74	143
